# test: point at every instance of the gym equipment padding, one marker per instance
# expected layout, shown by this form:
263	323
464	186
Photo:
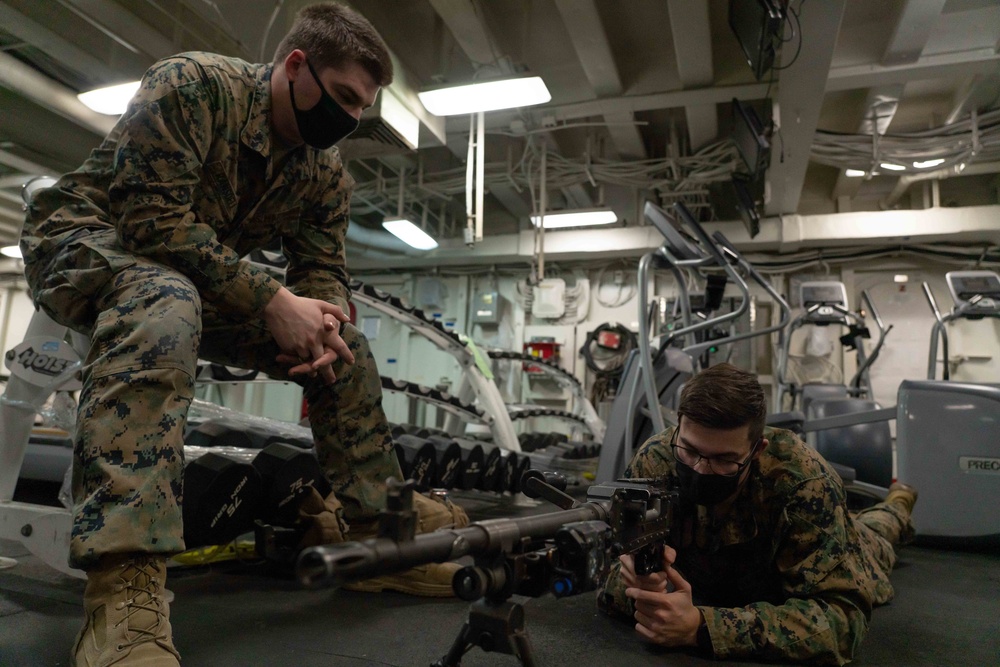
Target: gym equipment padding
865	447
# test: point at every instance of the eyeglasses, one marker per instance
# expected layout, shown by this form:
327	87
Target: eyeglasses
719	466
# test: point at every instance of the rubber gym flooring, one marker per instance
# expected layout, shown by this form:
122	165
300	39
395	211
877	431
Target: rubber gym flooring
946	612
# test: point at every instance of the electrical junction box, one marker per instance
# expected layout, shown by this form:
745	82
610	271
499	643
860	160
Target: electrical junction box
548	298
486	308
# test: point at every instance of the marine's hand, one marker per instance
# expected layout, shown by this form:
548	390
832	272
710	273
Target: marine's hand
668	619
302	327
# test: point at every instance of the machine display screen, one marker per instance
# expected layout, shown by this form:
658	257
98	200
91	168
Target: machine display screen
972	285
828	294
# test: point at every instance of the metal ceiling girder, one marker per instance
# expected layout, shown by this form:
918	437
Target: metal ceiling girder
21	164
880	106
982	92
66	53
799	100
632	104
691	31
939	66
468	30
916	21
13	180
593	50
126	28
47	93
788	233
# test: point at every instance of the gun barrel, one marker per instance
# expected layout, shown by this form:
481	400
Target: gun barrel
337	564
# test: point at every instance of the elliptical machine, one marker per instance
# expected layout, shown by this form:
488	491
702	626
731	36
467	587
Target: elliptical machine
651	381
947	435
866	447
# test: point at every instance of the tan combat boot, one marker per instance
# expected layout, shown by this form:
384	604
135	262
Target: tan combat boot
903	495
128	621
431	580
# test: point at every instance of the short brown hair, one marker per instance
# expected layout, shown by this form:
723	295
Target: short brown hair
725	397
333	35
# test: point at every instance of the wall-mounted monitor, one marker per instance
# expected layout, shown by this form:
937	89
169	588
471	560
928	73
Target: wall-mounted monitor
757	26
736	199
750	138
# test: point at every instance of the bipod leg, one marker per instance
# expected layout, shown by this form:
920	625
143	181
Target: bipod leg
492	626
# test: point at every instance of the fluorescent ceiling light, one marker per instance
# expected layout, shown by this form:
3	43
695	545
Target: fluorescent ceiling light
901	278
853	173
928	163
485	96
577	218
111	100
11	251
892	167
409	233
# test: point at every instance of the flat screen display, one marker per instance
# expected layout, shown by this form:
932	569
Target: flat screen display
756	24
749	137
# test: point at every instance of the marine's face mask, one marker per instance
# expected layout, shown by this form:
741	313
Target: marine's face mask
707	489
327	122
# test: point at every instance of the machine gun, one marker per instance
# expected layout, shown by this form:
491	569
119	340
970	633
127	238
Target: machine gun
566	553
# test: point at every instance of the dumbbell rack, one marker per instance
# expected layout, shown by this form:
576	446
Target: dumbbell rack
475	383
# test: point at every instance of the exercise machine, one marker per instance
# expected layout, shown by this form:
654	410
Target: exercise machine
650	382
948	440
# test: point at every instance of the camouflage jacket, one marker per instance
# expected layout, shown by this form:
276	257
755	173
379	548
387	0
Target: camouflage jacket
785	574
188	177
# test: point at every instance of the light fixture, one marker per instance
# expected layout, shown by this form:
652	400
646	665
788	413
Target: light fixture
853	173
892	167
110	100
901	278
409	233
11	251
926	164
485	96
576	218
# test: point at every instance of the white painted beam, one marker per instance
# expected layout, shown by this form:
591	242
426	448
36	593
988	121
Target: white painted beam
800	98
691	31
55	97
593	50
125	27
789	233
21	164
913	29
939	66
468	30
65	52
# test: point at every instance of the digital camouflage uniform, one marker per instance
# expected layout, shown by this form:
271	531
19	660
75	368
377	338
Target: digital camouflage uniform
788	574
140	248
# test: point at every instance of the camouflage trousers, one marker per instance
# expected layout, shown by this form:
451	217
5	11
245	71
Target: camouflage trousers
148	327
882	527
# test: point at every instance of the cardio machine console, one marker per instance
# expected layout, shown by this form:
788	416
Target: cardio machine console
966	285
827	295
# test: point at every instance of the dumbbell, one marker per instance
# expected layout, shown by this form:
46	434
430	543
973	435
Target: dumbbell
492	469
419	460
449	461
222	497
287	473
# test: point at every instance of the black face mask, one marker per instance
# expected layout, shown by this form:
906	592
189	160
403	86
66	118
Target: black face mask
327	122
703	489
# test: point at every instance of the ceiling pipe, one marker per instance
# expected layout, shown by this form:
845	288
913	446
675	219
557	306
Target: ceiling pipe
53	96
904	182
